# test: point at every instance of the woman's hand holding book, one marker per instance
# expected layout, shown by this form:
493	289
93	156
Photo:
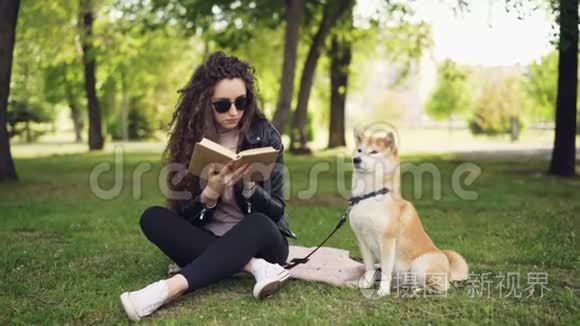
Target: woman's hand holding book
218	180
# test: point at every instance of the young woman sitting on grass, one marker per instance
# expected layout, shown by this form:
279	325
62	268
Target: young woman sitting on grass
229	224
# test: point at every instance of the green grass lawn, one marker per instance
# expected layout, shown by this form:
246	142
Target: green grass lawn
67	255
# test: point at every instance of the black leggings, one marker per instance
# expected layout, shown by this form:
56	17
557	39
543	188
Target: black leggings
206	258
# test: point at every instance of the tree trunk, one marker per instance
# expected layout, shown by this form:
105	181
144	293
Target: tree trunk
8	20
294	14
124	105
86	18
332	12
514	129
27	132
75	112
341	54
564	153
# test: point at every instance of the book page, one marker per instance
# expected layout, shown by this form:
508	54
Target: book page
253	151
261	159
206	152
217	148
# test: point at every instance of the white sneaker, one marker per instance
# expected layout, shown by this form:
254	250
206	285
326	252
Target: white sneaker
144	302
269	279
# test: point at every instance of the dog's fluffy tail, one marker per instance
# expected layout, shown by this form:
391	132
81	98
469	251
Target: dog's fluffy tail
458	269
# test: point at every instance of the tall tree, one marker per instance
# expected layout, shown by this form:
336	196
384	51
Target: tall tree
8	20
294	14
86	19
69	84
63	84
564	154
340	58
333	10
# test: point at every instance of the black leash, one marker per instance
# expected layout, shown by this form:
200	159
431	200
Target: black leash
351	202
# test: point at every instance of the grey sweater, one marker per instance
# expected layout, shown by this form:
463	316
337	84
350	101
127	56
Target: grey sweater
227	213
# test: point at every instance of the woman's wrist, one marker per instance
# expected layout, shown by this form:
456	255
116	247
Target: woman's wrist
249	189
209	197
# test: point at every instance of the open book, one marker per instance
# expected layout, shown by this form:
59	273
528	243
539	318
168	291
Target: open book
206	152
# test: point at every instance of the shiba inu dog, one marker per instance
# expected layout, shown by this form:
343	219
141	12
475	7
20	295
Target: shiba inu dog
387	227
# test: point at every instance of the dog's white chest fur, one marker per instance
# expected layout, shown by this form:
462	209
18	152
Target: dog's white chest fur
369	219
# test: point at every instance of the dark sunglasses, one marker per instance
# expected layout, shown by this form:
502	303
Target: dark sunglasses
223	106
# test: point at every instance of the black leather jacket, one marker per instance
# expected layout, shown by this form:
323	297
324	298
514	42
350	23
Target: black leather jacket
268	196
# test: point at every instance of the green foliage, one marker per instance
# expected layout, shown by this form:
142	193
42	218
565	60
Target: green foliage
391	34
228	23
148	49
451	95
500	102
115	129
47	48
65	82
152	63
141	122
27	104
140	126
270	41
148	64
28	111
405	44
541	86
23	119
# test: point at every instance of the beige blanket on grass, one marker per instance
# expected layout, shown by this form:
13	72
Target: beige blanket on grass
328	265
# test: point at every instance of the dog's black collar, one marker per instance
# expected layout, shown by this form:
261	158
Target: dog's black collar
357	199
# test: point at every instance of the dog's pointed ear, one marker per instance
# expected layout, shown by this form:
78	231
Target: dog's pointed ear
358	135
392	141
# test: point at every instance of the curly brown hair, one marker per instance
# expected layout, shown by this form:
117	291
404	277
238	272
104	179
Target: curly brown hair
193	117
